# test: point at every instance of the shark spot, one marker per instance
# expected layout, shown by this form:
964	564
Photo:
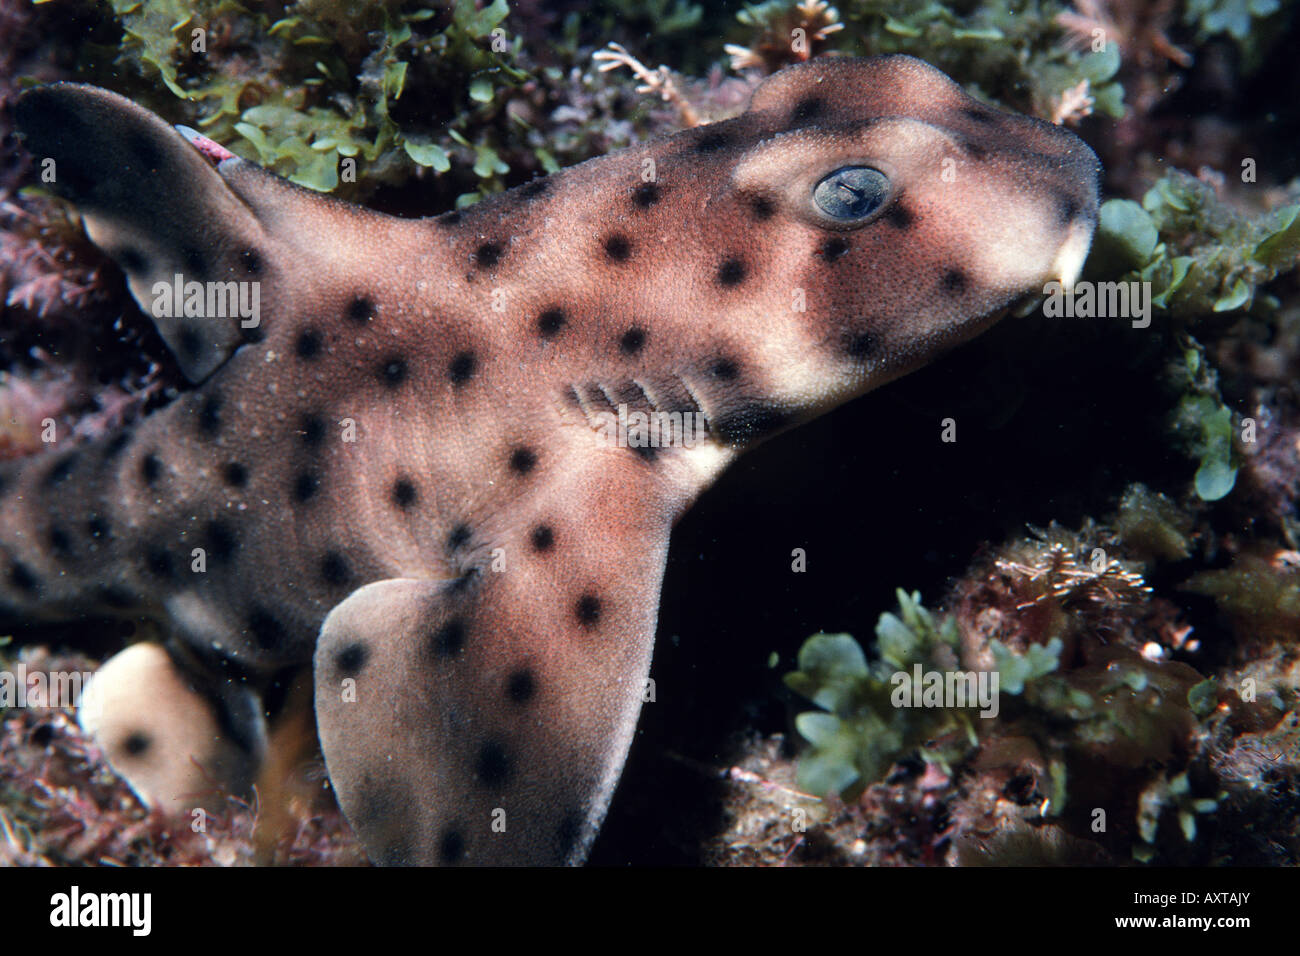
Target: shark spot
150	468
158	562
488	254
252	261
449	640
308	344
749	423
978	114
493	767
535	188
60	541
393	371
61	471
22	577
458	537
313	431
219	540
711	142
352	658
566	834
210	416
334	570
451	847
731	272
520	686
452	218
117	444
136	743
862	345
462	584
462	368
523	460
588	610
762	207
97	527
646	452
618	247
972	149
133	260
305	486
953	281
235	474
833	248
724	368
808	108
898	216
190	343
404	493
1066	208
267	630
543	538
550	322
632	341
645	195
361	310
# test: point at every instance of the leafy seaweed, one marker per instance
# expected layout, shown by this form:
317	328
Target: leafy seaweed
1016	670
859	732
1200	256
320	82
1203	424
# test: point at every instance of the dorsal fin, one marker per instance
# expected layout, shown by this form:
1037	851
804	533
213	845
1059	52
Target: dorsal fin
158	205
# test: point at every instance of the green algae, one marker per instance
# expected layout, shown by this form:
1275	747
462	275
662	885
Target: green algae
859	733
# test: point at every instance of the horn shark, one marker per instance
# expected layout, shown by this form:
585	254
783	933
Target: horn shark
440	459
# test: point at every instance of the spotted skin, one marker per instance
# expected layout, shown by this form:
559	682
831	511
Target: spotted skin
400	474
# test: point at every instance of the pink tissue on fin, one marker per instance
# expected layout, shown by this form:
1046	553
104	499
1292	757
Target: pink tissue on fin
213	151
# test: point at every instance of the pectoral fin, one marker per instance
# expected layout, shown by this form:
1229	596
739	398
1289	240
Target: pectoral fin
480	721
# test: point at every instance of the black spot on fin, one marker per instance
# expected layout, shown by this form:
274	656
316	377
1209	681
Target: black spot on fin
538	722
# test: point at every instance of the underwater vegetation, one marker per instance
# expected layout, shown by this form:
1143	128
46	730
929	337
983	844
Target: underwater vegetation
1106	747
1115	726
1148	661
859	730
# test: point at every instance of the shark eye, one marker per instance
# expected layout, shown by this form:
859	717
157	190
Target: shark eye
851	192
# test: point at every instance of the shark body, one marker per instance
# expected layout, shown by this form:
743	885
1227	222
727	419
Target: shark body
403	472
